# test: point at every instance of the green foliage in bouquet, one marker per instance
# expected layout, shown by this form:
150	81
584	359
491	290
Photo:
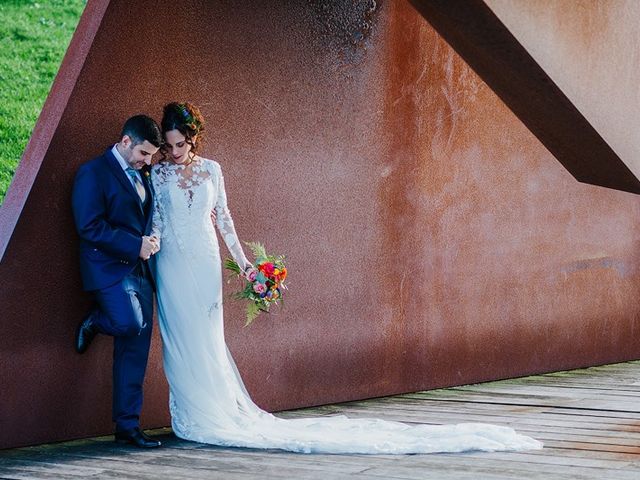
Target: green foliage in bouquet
264	284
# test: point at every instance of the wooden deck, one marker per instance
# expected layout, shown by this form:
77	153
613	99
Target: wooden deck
588	419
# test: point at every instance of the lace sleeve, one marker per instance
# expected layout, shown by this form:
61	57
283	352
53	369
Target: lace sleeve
157	222
224	223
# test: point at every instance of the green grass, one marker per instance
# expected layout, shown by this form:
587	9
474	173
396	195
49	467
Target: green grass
33	38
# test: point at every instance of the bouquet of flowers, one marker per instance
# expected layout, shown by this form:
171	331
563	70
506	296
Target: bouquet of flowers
264	281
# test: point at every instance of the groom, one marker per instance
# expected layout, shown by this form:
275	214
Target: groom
112	206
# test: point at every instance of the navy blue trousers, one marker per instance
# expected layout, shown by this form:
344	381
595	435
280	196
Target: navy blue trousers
125	311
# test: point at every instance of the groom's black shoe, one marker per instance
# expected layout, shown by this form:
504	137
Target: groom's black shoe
136	437
85	332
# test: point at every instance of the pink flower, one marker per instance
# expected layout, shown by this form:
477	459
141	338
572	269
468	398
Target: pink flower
252	273
259	288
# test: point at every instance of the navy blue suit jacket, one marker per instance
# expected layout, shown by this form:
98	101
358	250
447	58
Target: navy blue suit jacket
110	220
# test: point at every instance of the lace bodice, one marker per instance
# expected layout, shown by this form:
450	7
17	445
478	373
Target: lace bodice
185	196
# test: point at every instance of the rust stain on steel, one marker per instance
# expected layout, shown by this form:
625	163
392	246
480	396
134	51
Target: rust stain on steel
431	240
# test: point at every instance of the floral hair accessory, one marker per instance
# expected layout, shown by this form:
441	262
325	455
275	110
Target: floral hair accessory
190	121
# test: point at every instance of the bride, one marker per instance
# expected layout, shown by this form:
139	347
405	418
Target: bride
207	400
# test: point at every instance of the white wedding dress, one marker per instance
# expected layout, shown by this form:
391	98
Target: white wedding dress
208	401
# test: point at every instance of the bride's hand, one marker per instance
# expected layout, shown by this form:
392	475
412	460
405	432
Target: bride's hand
249	273
156	244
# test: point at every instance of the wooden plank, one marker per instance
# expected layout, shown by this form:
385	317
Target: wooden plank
549	417
567	402
474	469
176	467
436	418
572	415
550	392
555	459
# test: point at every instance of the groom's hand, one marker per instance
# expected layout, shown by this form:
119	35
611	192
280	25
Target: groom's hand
148	247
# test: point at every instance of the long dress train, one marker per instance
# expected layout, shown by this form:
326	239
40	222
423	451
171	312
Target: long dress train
208	401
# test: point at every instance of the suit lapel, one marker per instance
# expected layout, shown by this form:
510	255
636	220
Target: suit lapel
116	169
148	206
144	174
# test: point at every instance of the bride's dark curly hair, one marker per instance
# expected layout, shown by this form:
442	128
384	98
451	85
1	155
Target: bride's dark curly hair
187	119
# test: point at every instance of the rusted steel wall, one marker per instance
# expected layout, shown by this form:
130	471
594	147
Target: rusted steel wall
431	239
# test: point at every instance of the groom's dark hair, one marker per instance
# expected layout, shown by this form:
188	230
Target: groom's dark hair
140	128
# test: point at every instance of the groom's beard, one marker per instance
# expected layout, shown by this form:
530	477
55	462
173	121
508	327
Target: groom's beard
128	155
